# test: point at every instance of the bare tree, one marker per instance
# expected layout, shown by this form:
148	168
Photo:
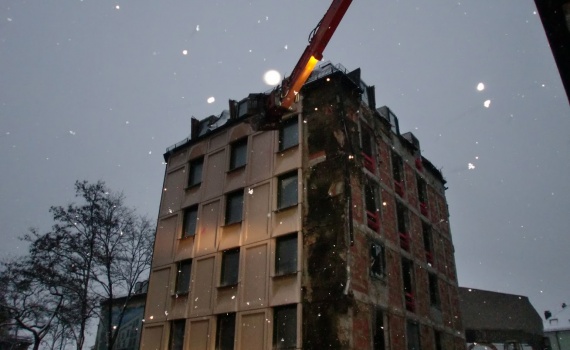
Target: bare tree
26	303
97	250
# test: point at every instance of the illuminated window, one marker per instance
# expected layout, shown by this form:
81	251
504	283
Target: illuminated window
287	190
238	156
195	175
289	134
234	207
183	276
286	255
230	267
285	327
225	333
190	221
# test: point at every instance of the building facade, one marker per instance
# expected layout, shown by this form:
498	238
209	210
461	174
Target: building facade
330	231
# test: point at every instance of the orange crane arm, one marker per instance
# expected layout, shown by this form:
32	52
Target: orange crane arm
313	52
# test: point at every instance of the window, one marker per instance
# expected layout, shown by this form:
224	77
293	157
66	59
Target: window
413	336
379	336
428	243
397	167
230	267
289	134
422	195
238	156
190	222
183	277
234	207
286	255
438	343
433	290
371	199
225	332
195	174
287	190
177	335
285	327
368	153
402	217
377	261
408	279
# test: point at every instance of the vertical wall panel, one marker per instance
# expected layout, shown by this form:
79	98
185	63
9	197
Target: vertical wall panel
257	213
158	294
199	335
214	174
252	331
261	157
164	241
173	191
200	303
207	229
152	337
255	275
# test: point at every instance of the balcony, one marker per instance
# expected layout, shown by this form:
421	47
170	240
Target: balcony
410	302
419	164
369	163
424	208
399	188
429	258
373	220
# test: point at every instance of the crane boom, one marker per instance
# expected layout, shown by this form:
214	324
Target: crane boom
283	97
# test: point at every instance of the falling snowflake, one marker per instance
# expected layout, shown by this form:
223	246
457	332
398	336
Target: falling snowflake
118	7
487	103
71	132
185	52
211	99
470	166
480	87
198	28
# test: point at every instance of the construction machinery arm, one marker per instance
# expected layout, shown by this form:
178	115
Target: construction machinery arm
313	52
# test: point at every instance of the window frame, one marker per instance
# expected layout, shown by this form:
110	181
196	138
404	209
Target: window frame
193	222
175	327
433	287
178	288
232	217
285	266
238	146
193	180
281	202
377	256
229	277
287	310
289	125
221	344
416	335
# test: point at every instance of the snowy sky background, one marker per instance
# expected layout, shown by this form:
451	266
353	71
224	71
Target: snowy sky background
99	89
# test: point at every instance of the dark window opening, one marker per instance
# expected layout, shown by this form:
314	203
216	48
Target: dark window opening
225	332
377	261
183	277
177	334
413	336
287	195
367	142
422	195
285	327
234	207
408	279
286	255
397	167
402	217
433	290
289	134
438	343
190	221
238	156
195	175
379	331
230	268
371	199
428	243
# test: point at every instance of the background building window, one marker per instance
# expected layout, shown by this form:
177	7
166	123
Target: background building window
428	243
377	261
289	134
379	335
230	267
402	217
408	279
371	200
286	255
190	221
433	290
397	167
225	333
238	157
195	173
438	343
177	334
368	148
234	207
287	190
285	327
183	276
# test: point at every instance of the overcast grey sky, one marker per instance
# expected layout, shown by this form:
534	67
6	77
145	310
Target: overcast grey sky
93	89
